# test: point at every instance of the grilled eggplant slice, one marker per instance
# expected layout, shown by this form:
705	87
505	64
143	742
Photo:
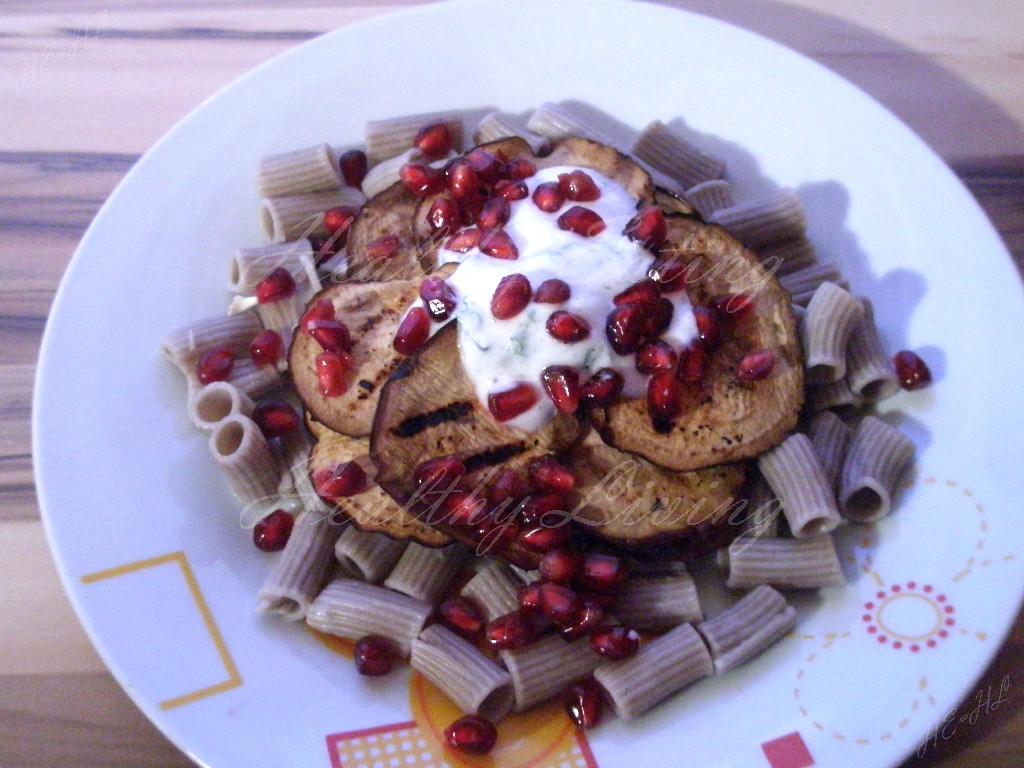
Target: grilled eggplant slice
725	419
389	213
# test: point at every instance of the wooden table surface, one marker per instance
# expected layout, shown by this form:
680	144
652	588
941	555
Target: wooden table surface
86	87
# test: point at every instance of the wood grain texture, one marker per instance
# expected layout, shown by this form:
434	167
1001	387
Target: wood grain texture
76	119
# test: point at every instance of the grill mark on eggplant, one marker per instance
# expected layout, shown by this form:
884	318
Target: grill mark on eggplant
494	456
413	425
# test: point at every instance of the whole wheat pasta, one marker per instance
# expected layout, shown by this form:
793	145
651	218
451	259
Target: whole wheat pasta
545	668
497	126
242	452
878	455
387	138
557	121
493	588
770	219
472	681
185	346
793	471
354	609
302	570
825	332
660	668
657	602
293	458
797	563
298	216
250	265
748	628
710	196
676	157
282	316
255	380
386	172
830	437
425	572
764	510
802	283
367	555
312	169
869	371
209	405
836	394
790	256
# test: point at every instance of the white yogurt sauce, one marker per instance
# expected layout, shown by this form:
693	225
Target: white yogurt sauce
497	354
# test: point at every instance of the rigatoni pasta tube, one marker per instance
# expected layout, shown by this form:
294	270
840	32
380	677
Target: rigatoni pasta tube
386	173
789	256
770	219
797	563
186	345
547	667
710	196
764	509
802	283
312	169
302	569
297	216
209	405
876	459
243	454
676	157
494	588
557	121
391	136
869	371
425	572
751	626
659	669
353	609
251	265
472	681
294	448
793	471
830	437
836	394
255	380
497	126
657	602
367	555
825	332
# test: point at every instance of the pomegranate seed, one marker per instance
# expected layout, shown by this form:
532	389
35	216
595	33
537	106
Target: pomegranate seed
271	533
578	186
625	328
463	181
508	490
590	618
548	197
332	335
332	372
276	286
548	474
498	245
321	309
559	603
497	532
340	481
644	292
756	366
560	564
463	508
337	220
602	388
441	473
433	141
528	596
669	272
615	643
693	363
709	329
489	168
266	347
911	370
536	511
647	227
584	703
562	384
422	180
215	365
657	317
511	190
543	538
582	221
472	734
654	356
374	655
383	247
461	616
494	215
520	169
438	297
413	331
353	166
511	631
276	419
567	327
602	572
663	395
444	216
508	404
511	296
733	306
464	241
552	291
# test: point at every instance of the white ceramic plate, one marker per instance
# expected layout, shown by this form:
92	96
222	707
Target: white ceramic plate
147	537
